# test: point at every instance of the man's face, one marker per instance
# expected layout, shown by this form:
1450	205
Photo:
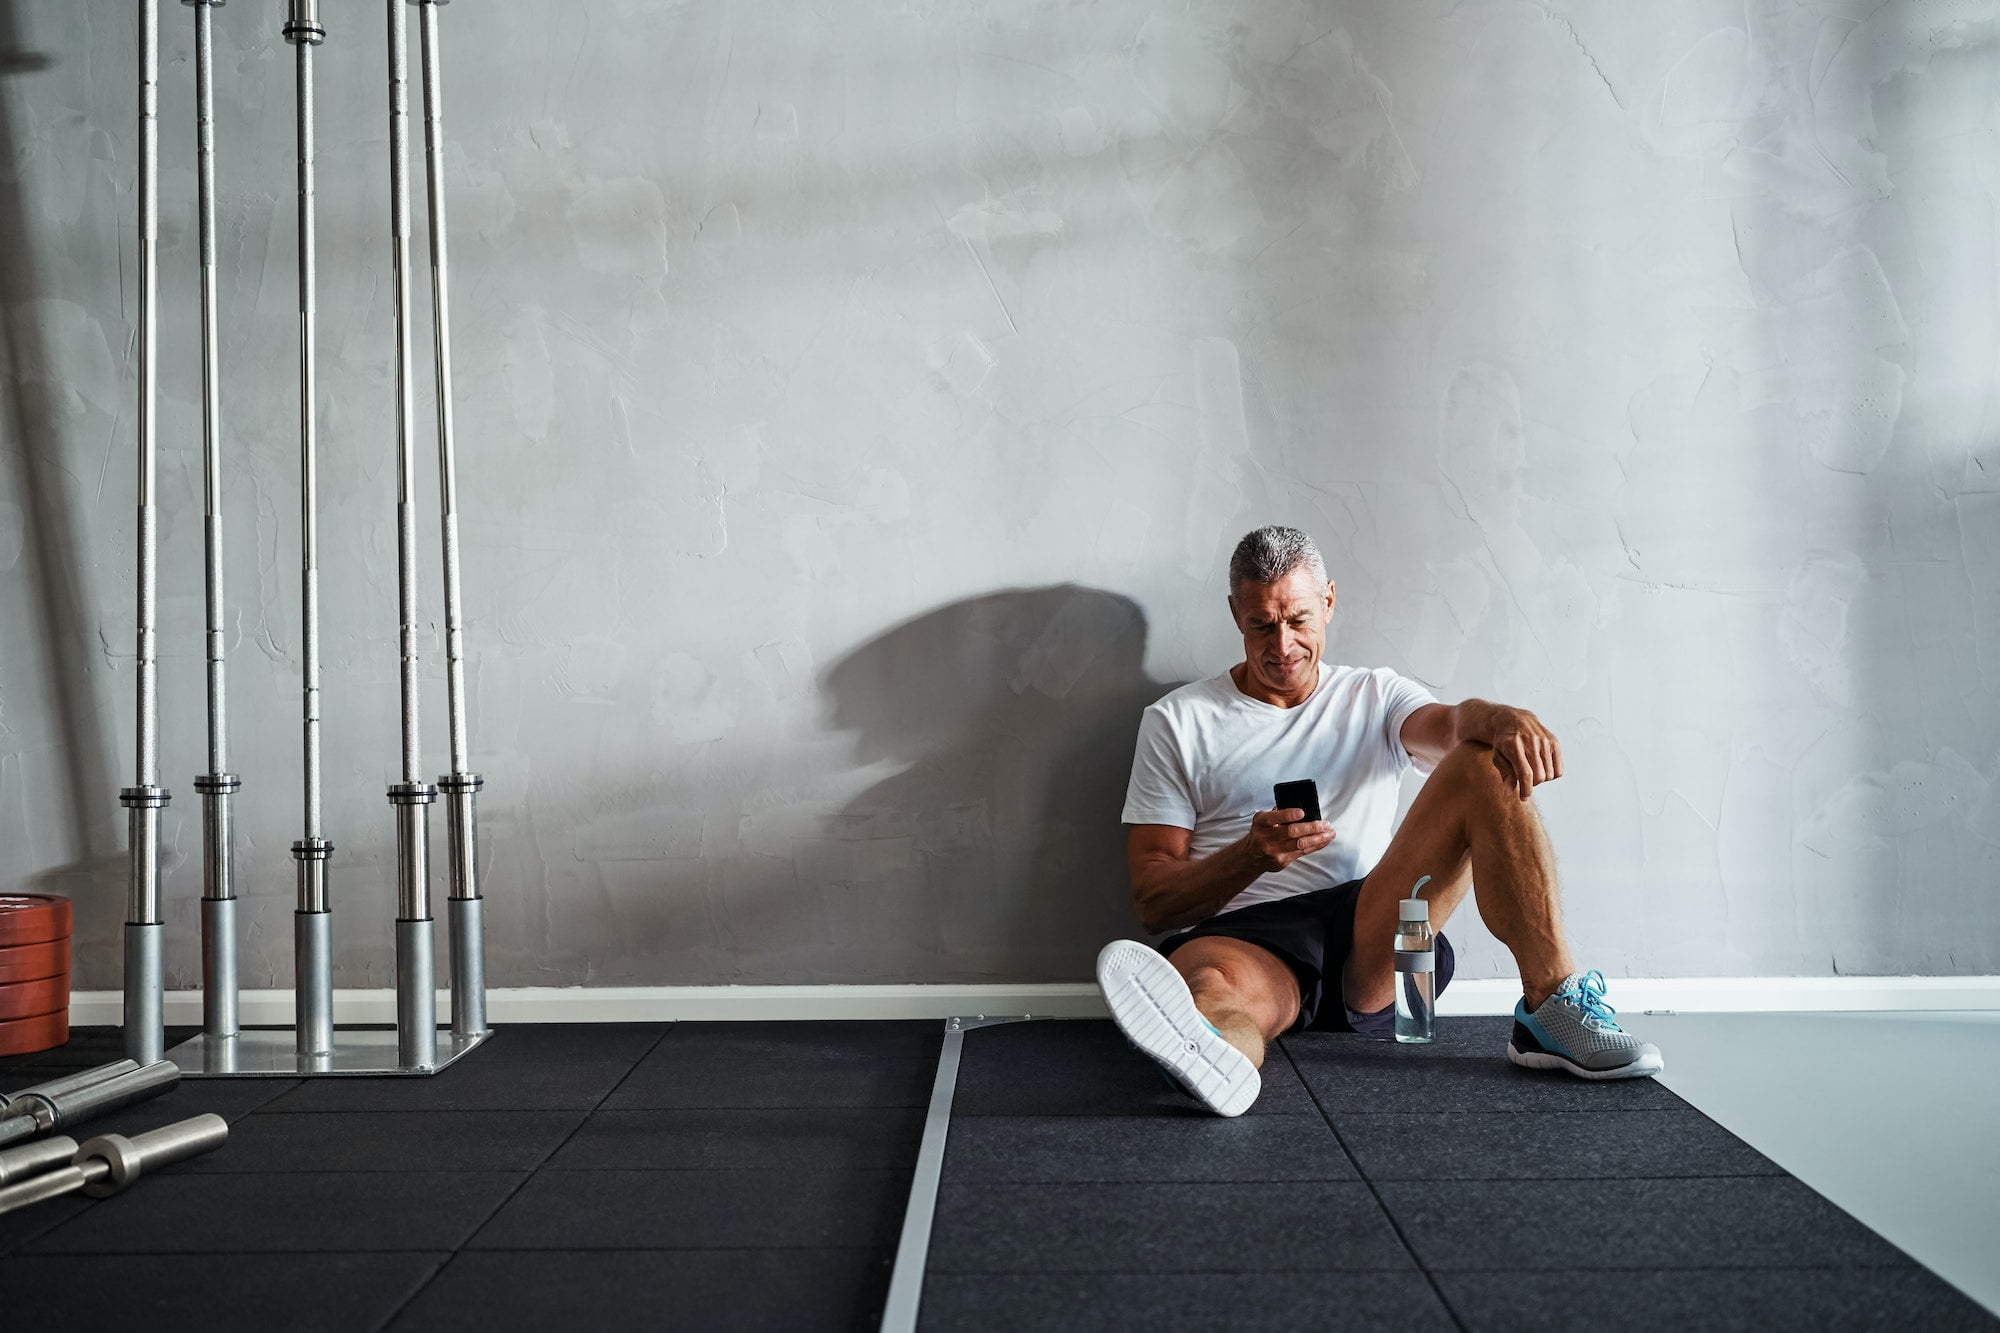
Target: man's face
1284	630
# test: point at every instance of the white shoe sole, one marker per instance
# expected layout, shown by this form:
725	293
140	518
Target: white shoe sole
1645	1066
1155	1010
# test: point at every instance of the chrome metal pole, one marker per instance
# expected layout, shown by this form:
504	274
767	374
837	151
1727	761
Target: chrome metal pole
466	923
218	785
416	996
145	980
312	921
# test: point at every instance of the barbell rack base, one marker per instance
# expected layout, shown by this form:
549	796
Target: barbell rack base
273	1053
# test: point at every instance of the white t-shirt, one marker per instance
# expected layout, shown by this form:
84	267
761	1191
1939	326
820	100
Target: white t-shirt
1209	754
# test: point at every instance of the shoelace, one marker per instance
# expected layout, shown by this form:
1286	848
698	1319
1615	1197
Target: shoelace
1586	992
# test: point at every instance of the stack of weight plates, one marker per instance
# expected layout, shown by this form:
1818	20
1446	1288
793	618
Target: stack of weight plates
34	972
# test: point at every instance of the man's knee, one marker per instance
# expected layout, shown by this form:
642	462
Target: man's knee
1269	993
1470	772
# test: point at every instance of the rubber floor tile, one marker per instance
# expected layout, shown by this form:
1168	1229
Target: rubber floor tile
1202	1303
1286	1227
1565	1225
86	1048
218	1293
1480	1037
517	1141
713	1080
1558	1145
818	1139
1017	1149
833	1040
540	1043
666	1210
793	1291
1384	1077
532	1068
1078	1067
179	1212
231	1098
1808	1300
24	1225
1483	1036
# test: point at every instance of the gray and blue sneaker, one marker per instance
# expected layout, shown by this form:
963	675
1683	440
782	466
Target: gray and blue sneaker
1575	1030
1155	1010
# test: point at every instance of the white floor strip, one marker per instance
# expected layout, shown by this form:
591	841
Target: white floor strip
906	1281
658	1004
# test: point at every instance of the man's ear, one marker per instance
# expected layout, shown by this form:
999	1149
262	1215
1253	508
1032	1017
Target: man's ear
1234	619
1329	596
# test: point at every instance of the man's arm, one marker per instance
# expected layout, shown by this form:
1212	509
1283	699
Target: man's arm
1172	890
1524	750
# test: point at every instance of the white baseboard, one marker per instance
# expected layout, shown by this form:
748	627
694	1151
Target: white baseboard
655	1004
1751	995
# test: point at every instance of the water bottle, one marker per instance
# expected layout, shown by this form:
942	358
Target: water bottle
1415	974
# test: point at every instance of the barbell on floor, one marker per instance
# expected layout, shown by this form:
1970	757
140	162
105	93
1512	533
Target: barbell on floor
72	1100
55	1087
108	1164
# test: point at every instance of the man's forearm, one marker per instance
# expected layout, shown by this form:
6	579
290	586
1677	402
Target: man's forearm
1172	894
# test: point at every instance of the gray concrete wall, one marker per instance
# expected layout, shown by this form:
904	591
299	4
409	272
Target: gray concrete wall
858	403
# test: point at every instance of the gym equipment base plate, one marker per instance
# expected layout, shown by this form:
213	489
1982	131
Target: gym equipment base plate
273	1053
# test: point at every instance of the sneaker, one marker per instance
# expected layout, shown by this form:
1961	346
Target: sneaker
1574	1029
1155	1010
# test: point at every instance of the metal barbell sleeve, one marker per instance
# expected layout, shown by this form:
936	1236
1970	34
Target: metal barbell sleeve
82	1078
34	1113
110	1163
31	1159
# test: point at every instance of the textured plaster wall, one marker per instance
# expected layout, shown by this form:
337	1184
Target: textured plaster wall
859	401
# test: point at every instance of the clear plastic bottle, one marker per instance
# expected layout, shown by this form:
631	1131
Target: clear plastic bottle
1415	963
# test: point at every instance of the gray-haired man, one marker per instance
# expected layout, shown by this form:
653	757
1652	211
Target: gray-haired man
1287	924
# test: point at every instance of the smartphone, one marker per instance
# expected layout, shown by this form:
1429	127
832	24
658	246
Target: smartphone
1300	795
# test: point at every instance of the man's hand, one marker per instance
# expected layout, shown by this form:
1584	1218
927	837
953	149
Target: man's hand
1279	837
1526	752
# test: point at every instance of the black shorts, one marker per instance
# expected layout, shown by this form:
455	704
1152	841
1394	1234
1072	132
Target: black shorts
1313	932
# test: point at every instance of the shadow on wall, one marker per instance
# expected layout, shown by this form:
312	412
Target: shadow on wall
32	432
1015	715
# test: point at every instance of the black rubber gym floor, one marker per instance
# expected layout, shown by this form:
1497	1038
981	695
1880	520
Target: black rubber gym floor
754	1175
1377	1186
657	1176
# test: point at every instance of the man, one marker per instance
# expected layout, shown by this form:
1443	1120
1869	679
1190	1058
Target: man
1286	924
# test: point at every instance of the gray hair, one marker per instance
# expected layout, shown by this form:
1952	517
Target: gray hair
1268	554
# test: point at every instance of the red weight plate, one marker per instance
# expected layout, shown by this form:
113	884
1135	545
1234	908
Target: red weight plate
30	999
33	918
25	1036
32	962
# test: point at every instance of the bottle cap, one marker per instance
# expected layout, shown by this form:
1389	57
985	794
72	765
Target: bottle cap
1414	909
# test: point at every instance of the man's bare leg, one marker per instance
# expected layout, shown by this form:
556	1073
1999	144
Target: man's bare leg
1468	827
1246	992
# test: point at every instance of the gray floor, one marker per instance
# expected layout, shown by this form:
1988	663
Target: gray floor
1891	1116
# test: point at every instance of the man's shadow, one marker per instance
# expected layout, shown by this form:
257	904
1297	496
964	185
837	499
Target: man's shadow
1014	715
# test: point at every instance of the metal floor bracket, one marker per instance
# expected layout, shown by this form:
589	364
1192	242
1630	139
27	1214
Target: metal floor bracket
906	1282
273	1053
